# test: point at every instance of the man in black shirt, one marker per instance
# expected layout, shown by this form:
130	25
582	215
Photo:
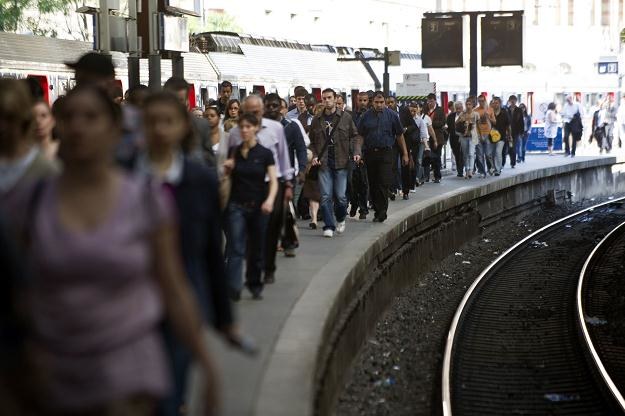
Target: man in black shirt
225	92
358	186
502	125
517	127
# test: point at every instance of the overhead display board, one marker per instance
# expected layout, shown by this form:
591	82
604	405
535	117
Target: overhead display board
502	40
441	42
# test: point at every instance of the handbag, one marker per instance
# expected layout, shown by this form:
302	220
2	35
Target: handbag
495	136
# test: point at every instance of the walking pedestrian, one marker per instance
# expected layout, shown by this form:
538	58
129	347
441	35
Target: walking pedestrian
99	339
231	117
21	159
415	135
381	129
271	136
437	115
466	128
527	127
517	128
44	127
225	92
251	202
454	139
194	188
332	135
484	127
359	187
297	159
500	137
551	126
572	118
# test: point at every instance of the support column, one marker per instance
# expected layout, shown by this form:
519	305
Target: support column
386	80
177	66
133	46
154	56
473	64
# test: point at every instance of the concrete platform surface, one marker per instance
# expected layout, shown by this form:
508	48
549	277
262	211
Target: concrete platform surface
242	376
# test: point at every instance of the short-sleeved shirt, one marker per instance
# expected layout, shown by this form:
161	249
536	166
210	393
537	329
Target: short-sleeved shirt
502	123
379	129
96	305
248	176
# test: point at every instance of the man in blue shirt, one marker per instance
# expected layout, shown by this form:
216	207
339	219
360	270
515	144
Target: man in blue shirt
381	129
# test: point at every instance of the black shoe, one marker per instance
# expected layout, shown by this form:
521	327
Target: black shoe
378	219
437	181
405	197
270	277
460	175
289	252
257	295
312	226
352	212
392	196
362	217
306	217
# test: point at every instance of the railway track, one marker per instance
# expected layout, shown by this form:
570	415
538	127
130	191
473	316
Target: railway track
515	346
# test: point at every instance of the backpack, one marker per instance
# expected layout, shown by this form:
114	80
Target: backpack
576	125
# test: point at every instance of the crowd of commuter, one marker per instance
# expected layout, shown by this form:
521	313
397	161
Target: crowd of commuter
115	209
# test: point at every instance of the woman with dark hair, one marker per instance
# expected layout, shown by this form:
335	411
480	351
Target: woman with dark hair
527	127
251	202
21	160
551	126
194	187
231	115
106	271
44	128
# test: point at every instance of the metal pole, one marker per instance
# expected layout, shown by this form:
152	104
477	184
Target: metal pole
177	66
473	64
104	31
154	56
133	46
386	81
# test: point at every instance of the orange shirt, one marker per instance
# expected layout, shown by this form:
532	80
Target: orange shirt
484	125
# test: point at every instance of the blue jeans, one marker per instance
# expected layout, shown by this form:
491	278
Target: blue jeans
468	151
333	184
245	231
521	145
481	150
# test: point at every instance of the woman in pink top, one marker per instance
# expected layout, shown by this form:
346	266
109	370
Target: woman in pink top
106	273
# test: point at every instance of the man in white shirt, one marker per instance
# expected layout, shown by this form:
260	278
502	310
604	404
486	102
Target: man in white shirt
568	112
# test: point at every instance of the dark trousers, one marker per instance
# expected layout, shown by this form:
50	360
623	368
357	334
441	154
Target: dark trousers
504	152
570	143
245	228
410	174
379	171
433	162
274	231
511	150
358	188
396	178
457	151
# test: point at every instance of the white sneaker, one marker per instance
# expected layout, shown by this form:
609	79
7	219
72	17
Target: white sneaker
340	227
328	233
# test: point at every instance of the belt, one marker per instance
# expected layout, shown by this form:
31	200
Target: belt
378	149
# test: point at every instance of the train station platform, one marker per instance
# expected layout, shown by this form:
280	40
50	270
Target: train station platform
325	301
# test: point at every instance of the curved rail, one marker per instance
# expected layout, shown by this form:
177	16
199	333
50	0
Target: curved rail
582	321
446	382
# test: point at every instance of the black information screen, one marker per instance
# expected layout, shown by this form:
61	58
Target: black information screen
441	42
502	40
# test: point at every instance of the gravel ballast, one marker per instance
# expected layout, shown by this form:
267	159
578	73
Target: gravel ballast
397	371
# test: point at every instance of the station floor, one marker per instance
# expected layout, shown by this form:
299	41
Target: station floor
263	320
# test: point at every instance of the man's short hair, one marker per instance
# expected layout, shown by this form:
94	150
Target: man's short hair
513	97
377	94
225	84
327	90
431	96
271	97
309	98
414	104
176	84
300	91
495	98
363	93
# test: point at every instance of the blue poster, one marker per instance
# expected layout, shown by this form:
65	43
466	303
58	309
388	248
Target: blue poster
537	142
